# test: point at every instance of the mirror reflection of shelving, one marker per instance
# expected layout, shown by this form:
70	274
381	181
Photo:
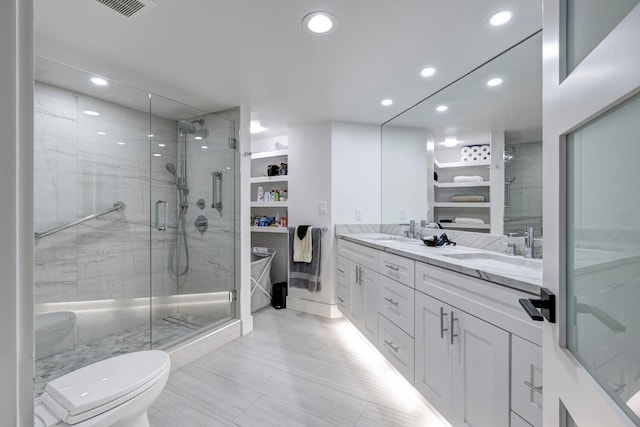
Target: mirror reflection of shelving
269	191
462	188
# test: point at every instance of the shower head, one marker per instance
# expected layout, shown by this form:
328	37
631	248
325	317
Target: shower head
186	128
171	168
202	132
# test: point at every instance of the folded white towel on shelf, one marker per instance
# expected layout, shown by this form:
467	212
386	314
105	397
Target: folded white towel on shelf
462	220
465	178
468	198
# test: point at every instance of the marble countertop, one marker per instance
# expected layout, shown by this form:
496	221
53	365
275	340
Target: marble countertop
512	271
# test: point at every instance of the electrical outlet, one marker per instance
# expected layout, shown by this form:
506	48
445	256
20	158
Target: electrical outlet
322	208
403	214
624	217
358	213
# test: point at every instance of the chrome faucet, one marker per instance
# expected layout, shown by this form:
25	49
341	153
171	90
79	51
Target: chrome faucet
528	242
412	229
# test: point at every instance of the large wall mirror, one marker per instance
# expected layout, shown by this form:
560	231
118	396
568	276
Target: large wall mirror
470	156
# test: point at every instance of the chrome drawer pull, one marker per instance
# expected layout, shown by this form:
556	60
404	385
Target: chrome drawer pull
391	301
390	344
340	299
534	388
341	271
442	328
392	267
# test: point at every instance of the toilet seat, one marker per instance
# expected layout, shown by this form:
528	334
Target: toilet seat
102	386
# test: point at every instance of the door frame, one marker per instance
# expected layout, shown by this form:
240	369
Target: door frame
603	80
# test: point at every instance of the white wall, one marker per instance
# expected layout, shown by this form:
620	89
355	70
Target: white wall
404	158
16	211
309	185
355	173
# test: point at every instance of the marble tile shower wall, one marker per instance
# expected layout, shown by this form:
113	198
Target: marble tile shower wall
212	253
525	205
78	172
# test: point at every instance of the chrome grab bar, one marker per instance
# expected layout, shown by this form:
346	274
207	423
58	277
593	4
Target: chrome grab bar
217	190
162	227
116	207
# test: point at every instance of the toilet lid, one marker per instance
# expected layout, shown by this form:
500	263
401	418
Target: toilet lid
104	382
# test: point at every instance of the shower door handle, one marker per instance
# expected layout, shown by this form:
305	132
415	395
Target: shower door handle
162	227
217	190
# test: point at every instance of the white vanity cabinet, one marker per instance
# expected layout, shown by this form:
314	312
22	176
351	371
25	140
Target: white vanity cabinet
464	343
462	364
360	264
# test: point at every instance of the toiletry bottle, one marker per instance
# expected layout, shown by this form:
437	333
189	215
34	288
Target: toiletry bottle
260	197
276	195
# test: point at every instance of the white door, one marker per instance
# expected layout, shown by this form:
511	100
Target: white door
591	125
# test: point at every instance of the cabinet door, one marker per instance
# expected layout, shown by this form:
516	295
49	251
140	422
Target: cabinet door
343	289
480	372
356	294
433	352
369	279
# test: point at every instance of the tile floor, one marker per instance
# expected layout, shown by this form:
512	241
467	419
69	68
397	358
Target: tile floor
296	370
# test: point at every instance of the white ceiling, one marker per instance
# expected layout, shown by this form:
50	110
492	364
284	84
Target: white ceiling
214	55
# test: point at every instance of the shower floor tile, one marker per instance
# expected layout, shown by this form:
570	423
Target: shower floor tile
169	329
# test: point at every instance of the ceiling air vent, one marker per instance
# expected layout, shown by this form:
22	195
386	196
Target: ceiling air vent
127	7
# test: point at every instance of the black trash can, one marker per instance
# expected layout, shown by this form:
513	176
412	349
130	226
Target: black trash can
279	295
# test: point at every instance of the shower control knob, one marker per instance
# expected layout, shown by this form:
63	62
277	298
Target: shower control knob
201	203
202	223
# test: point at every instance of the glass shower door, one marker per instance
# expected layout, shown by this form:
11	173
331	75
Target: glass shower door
193	222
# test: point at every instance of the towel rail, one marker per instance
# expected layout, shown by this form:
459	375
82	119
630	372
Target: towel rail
116	207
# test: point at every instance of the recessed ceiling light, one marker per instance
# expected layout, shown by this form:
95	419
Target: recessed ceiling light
500	18
157	155
99	81
442	108
494	82
204	147
151	135
91	113
162	145
102	133
386	102
255	127
426	72
197	137
122	143
319	22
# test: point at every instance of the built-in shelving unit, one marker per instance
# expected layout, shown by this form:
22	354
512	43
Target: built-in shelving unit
260	162
445	188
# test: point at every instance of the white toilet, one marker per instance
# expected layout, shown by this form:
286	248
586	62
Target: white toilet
114	392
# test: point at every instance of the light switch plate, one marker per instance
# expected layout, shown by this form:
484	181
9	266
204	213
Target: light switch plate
358	213
403	213
322	208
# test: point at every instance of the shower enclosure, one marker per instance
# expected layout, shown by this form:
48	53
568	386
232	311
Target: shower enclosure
135	219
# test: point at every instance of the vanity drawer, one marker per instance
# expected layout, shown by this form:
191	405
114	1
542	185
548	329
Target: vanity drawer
526	380
397	347
396	303
362	255
397	267
342	288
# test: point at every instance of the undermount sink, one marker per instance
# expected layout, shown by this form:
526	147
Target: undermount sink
389	239
498	260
